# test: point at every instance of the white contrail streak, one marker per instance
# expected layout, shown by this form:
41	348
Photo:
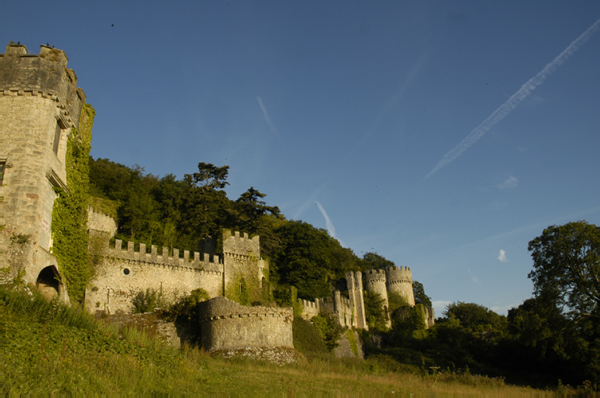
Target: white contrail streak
328	223
266	114
513	101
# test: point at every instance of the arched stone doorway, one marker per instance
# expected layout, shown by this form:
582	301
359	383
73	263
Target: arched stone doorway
48	282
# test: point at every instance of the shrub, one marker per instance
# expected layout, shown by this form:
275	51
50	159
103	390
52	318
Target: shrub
307	339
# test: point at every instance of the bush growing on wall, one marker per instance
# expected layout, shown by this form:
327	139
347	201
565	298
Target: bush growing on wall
329	329
307	339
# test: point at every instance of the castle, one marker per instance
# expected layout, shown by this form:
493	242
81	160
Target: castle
39	104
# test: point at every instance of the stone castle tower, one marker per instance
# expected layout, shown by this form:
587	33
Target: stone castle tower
39	103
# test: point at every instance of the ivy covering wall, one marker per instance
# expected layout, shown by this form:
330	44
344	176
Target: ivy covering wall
70	213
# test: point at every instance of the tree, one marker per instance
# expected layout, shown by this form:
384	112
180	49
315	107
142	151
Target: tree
375	311
375	261
420	296
566	266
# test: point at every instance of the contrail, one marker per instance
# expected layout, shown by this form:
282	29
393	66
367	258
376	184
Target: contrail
328	223
266	114
513	101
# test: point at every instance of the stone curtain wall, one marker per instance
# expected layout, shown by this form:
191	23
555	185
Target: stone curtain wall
124	273
228	325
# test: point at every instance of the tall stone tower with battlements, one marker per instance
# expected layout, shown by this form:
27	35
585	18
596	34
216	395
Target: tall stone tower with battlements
399	280
39	103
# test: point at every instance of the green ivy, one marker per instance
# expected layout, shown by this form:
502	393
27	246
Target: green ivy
352	341
104	206
69	215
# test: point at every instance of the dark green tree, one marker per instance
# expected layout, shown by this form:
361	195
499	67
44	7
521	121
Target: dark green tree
374	261
566	266
420	296
375	311
305	260
476	317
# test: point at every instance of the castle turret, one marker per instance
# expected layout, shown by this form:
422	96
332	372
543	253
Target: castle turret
399	280
375	282
244	270
39	103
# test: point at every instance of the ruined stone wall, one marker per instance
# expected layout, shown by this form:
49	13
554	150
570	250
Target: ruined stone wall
39	103
228	325
124	273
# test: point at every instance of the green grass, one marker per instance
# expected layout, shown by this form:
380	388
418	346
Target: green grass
50	348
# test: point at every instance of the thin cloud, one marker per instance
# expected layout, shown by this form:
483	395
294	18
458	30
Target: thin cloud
510	183
502	256
497	205
266	115
328	223
513	101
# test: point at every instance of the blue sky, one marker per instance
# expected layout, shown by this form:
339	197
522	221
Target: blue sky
342	111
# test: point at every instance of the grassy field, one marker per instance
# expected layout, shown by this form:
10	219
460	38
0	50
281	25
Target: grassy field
50	348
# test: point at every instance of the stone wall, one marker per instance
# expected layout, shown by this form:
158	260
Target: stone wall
124	273
101	223
227	325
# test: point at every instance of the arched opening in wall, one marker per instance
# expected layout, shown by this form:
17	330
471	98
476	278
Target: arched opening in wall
48	282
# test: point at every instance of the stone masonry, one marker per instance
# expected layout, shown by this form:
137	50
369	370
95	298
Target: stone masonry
39	103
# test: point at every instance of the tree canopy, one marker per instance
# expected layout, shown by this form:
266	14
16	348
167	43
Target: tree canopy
566	267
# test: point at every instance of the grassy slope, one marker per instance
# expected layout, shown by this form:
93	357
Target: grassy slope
47	348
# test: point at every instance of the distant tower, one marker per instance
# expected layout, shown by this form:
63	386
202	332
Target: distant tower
399	280
375	283
39	103
355	292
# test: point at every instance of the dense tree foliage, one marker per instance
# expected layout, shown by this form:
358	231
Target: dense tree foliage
420	296
566	266
372	260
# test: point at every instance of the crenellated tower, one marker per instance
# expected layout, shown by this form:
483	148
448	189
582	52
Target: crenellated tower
375	281
39	104
399	280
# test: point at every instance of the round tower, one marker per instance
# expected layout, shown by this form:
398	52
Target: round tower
375	282
39	104
399	280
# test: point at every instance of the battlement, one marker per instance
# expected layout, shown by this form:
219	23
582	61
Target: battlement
395	274
240	244
45	75
396	268
153	258
375	272
374	276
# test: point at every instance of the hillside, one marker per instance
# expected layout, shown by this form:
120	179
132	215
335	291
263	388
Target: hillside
50	348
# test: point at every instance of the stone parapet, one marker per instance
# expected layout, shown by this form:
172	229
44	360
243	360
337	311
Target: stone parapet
164	259
46	75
